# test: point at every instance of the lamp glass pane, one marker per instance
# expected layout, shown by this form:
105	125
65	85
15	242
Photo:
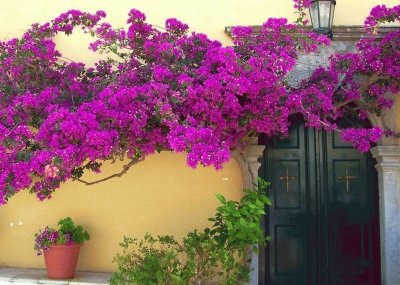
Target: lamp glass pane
324	10
314	15
332	13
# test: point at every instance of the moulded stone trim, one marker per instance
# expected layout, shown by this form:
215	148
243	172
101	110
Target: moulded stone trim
249	163
350	33
387	156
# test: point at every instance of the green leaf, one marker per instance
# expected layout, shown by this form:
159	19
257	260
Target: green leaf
220	198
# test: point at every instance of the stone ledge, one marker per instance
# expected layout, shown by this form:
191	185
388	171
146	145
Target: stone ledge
340	33
28	276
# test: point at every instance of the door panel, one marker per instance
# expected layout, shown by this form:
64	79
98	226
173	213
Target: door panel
290	250
323	221
286	175
348	249
289	258
350	199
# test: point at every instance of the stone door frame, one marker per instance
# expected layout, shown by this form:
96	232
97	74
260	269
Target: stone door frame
387	156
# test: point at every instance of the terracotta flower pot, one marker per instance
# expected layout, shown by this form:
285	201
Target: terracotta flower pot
61	260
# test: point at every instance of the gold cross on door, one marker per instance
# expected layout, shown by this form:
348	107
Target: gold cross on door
287	178
347	177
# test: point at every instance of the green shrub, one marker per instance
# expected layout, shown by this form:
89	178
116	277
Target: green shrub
217	255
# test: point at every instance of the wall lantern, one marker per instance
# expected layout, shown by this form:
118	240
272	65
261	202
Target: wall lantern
321	12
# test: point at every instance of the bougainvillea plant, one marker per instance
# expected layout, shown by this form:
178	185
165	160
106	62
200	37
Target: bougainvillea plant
170	89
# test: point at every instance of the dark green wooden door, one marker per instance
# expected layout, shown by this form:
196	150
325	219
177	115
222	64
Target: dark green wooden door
323	222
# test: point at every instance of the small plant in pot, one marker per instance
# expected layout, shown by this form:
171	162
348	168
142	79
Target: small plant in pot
60	248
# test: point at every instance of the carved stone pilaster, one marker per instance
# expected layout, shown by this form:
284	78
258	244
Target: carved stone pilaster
388	166
249	162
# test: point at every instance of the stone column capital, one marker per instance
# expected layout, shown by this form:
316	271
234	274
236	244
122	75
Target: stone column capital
249	162
254	152
387	156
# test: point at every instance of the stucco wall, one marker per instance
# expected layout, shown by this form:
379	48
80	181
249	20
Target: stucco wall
206	16
160	195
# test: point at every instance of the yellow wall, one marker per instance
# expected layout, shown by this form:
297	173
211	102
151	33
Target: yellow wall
160	195
207	16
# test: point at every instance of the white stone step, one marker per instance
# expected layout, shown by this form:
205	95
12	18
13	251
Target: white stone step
27	276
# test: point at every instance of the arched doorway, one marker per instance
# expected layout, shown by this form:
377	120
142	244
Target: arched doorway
324	221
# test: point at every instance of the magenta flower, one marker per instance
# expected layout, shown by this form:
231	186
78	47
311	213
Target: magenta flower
168	89
51	171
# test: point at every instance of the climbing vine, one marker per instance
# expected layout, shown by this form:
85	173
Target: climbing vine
171	89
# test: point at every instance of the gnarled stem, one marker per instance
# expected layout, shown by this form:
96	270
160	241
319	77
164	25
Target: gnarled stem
124	170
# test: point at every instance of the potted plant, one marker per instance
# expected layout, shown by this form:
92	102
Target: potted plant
61	248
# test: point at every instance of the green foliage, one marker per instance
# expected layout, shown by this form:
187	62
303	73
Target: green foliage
238	224
152	261
217	255
68	228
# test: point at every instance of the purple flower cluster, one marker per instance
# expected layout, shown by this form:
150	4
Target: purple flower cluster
167	89
45	238
67	21
301	6
176	26
381	14
362	138
298	4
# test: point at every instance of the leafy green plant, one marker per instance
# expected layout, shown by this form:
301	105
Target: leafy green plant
238	224
77	233
152	261
216	255
67	233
